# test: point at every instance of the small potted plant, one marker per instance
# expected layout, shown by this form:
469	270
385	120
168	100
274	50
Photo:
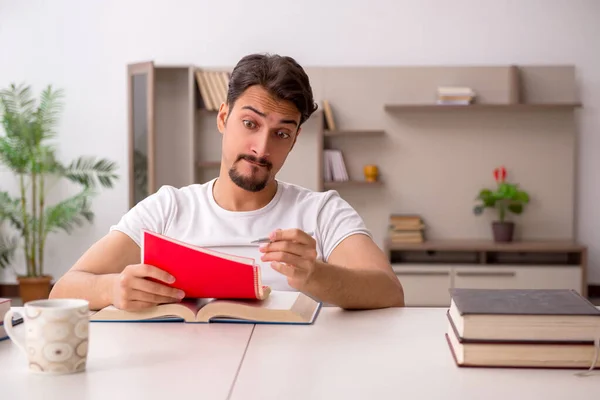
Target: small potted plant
505	198
28	150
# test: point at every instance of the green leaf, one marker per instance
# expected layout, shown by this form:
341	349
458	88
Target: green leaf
515	208
10	210
47	113
521	197
88	171
7	250
69	213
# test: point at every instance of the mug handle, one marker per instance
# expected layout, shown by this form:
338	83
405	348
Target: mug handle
18	339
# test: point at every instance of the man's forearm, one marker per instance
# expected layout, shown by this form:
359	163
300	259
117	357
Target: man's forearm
96	289
355	288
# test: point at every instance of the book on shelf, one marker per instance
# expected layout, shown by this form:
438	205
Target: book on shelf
201	272
329	120
455	95
280	307
213	87
334	167
406	229
535	328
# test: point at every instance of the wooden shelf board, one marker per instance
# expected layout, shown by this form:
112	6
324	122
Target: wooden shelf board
489	245
334	185
209	164
354	132
482	107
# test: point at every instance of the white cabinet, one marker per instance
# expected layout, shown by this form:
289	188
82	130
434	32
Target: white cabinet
427	285
424	286
518	277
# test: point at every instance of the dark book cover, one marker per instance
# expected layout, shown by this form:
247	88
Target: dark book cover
522	302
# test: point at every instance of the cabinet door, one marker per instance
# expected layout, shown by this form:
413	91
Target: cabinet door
424	285
485	277
518	277
140	81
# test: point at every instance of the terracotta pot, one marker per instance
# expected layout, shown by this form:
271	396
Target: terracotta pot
503	231
34	288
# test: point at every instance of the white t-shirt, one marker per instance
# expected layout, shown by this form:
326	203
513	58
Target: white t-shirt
190	214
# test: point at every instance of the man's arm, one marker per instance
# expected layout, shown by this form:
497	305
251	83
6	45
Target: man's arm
110	273
357	274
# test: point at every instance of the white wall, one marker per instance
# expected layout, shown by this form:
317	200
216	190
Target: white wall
84	47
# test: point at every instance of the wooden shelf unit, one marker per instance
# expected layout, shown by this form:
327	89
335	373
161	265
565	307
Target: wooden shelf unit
351	183
354	132
429	269
483	107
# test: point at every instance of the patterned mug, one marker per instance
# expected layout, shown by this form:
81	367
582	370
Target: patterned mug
55	338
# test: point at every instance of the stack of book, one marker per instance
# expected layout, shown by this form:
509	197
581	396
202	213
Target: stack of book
213	86
455	95
406	229
334	167
527	328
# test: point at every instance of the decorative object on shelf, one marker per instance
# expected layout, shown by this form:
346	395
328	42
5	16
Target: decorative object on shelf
27	150
371	173
507	197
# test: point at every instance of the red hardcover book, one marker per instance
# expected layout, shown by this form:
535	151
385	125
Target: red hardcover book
202	272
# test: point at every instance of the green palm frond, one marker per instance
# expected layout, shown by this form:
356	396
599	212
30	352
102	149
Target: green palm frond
7	250
14	154
17	100
10	210
69	213
89	170
47	113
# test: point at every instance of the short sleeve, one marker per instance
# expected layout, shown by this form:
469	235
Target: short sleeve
153	213
336	221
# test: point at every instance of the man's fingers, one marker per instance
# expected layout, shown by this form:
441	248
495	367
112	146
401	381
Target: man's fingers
285	269
134	305
141	296
150	271
296	235
156	288
284	257
298	249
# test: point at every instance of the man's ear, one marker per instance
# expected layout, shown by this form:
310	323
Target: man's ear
222	117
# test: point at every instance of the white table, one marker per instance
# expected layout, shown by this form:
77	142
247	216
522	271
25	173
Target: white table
385	354
377	354
137	361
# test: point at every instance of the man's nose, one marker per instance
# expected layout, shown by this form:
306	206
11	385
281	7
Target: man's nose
261	144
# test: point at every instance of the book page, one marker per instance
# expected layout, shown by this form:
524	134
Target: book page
277	300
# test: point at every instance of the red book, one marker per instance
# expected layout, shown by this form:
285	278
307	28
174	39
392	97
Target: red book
202	272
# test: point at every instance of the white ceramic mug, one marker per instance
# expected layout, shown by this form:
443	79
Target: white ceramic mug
55	338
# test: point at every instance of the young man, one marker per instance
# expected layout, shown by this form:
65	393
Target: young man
268	100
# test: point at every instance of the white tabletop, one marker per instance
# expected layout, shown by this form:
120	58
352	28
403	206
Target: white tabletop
384	354
391	353
137	361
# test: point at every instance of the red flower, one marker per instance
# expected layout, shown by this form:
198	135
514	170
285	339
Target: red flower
500	174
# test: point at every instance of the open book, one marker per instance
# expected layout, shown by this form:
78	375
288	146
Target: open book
281	307
202	272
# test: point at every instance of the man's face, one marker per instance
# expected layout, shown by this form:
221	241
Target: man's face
258	133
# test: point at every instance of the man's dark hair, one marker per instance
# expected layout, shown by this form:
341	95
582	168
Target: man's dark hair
281	76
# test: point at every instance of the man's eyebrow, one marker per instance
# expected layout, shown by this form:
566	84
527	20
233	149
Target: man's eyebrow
262	114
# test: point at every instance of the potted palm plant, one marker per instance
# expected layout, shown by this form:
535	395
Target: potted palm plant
505	198
28	151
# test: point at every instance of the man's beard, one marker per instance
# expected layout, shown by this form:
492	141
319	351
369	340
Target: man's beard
250	183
